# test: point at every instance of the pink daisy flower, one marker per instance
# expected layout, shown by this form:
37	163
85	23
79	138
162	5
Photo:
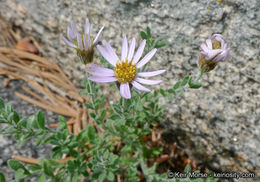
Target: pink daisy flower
126	69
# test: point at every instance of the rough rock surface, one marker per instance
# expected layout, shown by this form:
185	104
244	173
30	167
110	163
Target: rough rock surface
218	124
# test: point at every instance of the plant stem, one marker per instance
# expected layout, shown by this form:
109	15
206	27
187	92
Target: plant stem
90	86
123	104
199	76
92	96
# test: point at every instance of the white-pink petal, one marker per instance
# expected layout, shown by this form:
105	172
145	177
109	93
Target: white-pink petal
67	42
224	46
74	28
152	73
148	82
131	49
87	27
89	42
212	53
146	59
96	40
111	51
99	71
70	34
204	48
85	42
217	37
125	90
102	79
223	56
219	57
124	49
209	43
139	86
106	55
79	40
139	52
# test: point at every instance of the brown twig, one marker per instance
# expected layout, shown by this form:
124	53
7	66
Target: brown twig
35	161
84	118
58	109
36	95
70	122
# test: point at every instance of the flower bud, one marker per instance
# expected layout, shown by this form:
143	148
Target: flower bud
83	43
213	51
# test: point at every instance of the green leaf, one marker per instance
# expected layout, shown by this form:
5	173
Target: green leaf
126	149
2	104
148	31
156	41
102	176
93	115
117	108
177	85
114	117
61	119
187	169
62	123
143	35
94	176
194	85
39	140
171	91
91	133
22	140
15	165
10	117
47	169
102	115
162	92
89	106
40	119
110	176
161	44
185	80
2	177
9	129
19	173
3	121
8	108
34	167
16	117
29	123
83	92
75	178
54	163
42	178
155	93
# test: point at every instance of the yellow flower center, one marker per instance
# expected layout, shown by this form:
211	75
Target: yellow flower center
125	71
216	44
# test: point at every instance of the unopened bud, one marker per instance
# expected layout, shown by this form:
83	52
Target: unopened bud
83	43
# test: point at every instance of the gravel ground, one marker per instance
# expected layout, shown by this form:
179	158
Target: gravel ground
218	124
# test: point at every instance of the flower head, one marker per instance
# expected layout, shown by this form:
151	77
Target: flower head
126	69
83	43
213	51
